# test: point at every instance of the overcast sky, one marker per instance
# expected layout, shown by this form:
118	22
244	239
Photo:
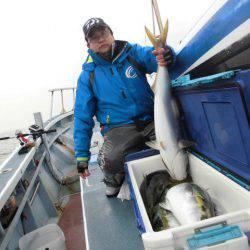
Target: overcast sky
42	45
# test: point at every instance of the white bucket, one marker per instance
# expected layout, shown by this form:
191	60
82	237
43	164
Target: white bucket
50	236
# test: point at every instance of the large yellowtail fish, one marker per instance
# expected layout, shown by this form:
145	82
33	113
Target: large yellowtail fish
165	118
189	203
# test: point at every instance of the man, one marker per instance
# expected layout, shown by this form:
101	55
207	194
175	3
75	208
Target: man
113	87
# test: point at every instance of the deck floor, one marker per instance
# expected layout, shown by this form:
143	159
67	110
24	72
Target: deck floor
110	222
71	222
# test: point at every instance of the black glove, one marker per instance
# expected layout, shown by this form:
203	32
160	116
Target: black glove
164	56
168	56
82	168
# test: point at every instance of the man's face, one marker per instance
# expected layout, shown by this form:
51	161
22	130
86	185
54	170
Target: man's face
100	40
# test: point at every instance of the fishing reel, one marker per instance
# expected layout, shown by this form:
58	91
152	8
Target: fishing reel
36	131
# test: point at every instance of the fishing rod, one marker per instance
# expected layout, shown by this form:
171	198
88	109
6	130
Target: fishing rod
35	132
27	144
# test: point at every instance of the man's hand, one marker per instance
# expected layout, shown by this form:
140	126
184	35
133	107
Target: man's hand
164	56
82	168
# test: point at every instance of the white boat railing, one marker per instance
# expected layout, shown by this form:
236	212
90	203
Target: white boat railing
62	100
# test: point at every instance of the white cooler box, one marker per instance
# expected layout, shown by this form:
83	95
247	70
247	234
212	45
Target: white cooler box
226	231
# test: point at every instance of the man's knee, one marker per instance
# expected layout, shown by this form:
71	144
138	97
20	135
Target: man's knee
111	159
111	163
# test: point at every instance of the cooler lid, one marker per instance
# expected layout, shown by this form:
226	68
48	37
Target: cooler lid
216	115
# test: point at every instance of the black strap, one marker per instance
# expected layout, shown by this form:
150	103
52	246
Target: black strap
141	69
91	78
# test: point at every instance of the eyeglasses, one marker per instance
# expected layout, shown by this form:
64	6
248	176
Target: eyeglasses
98	35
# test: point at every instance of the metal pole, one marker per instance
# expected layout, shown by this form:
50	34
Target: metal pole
51	106
57	173
63	110
34	194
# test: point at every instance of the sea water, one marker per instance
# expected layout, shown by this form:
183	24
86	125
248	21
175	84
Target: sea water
6	148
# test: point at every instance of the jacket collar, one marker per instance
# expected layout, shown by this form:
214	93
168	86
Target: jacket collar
121	51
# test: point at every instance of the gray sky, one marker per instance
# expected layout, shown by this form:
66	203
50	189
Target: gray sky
42	45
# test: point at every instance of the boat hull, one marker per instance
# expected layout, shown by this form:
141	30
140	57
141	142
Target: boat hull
225	27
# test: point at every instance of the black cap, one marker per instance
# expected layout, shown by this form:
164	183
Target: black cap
93	23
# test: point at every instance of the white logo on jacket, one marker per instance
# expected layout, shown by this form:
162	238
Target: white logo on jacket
130	72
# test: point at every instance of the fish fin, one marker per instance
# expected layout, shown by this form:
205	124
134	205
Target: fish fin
154	40
153	144
153	86
186	143
164	33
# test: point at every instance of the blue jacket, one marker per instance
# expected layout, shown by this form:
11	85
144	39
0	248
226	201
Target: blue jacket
118	95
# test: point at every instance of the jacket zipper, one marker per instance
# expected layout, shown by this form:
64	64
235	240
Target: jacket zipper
120	53
111	70
123	94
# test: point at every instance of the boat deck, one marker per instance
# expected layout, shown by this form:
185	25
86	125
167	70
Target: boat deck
109	222
71	222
